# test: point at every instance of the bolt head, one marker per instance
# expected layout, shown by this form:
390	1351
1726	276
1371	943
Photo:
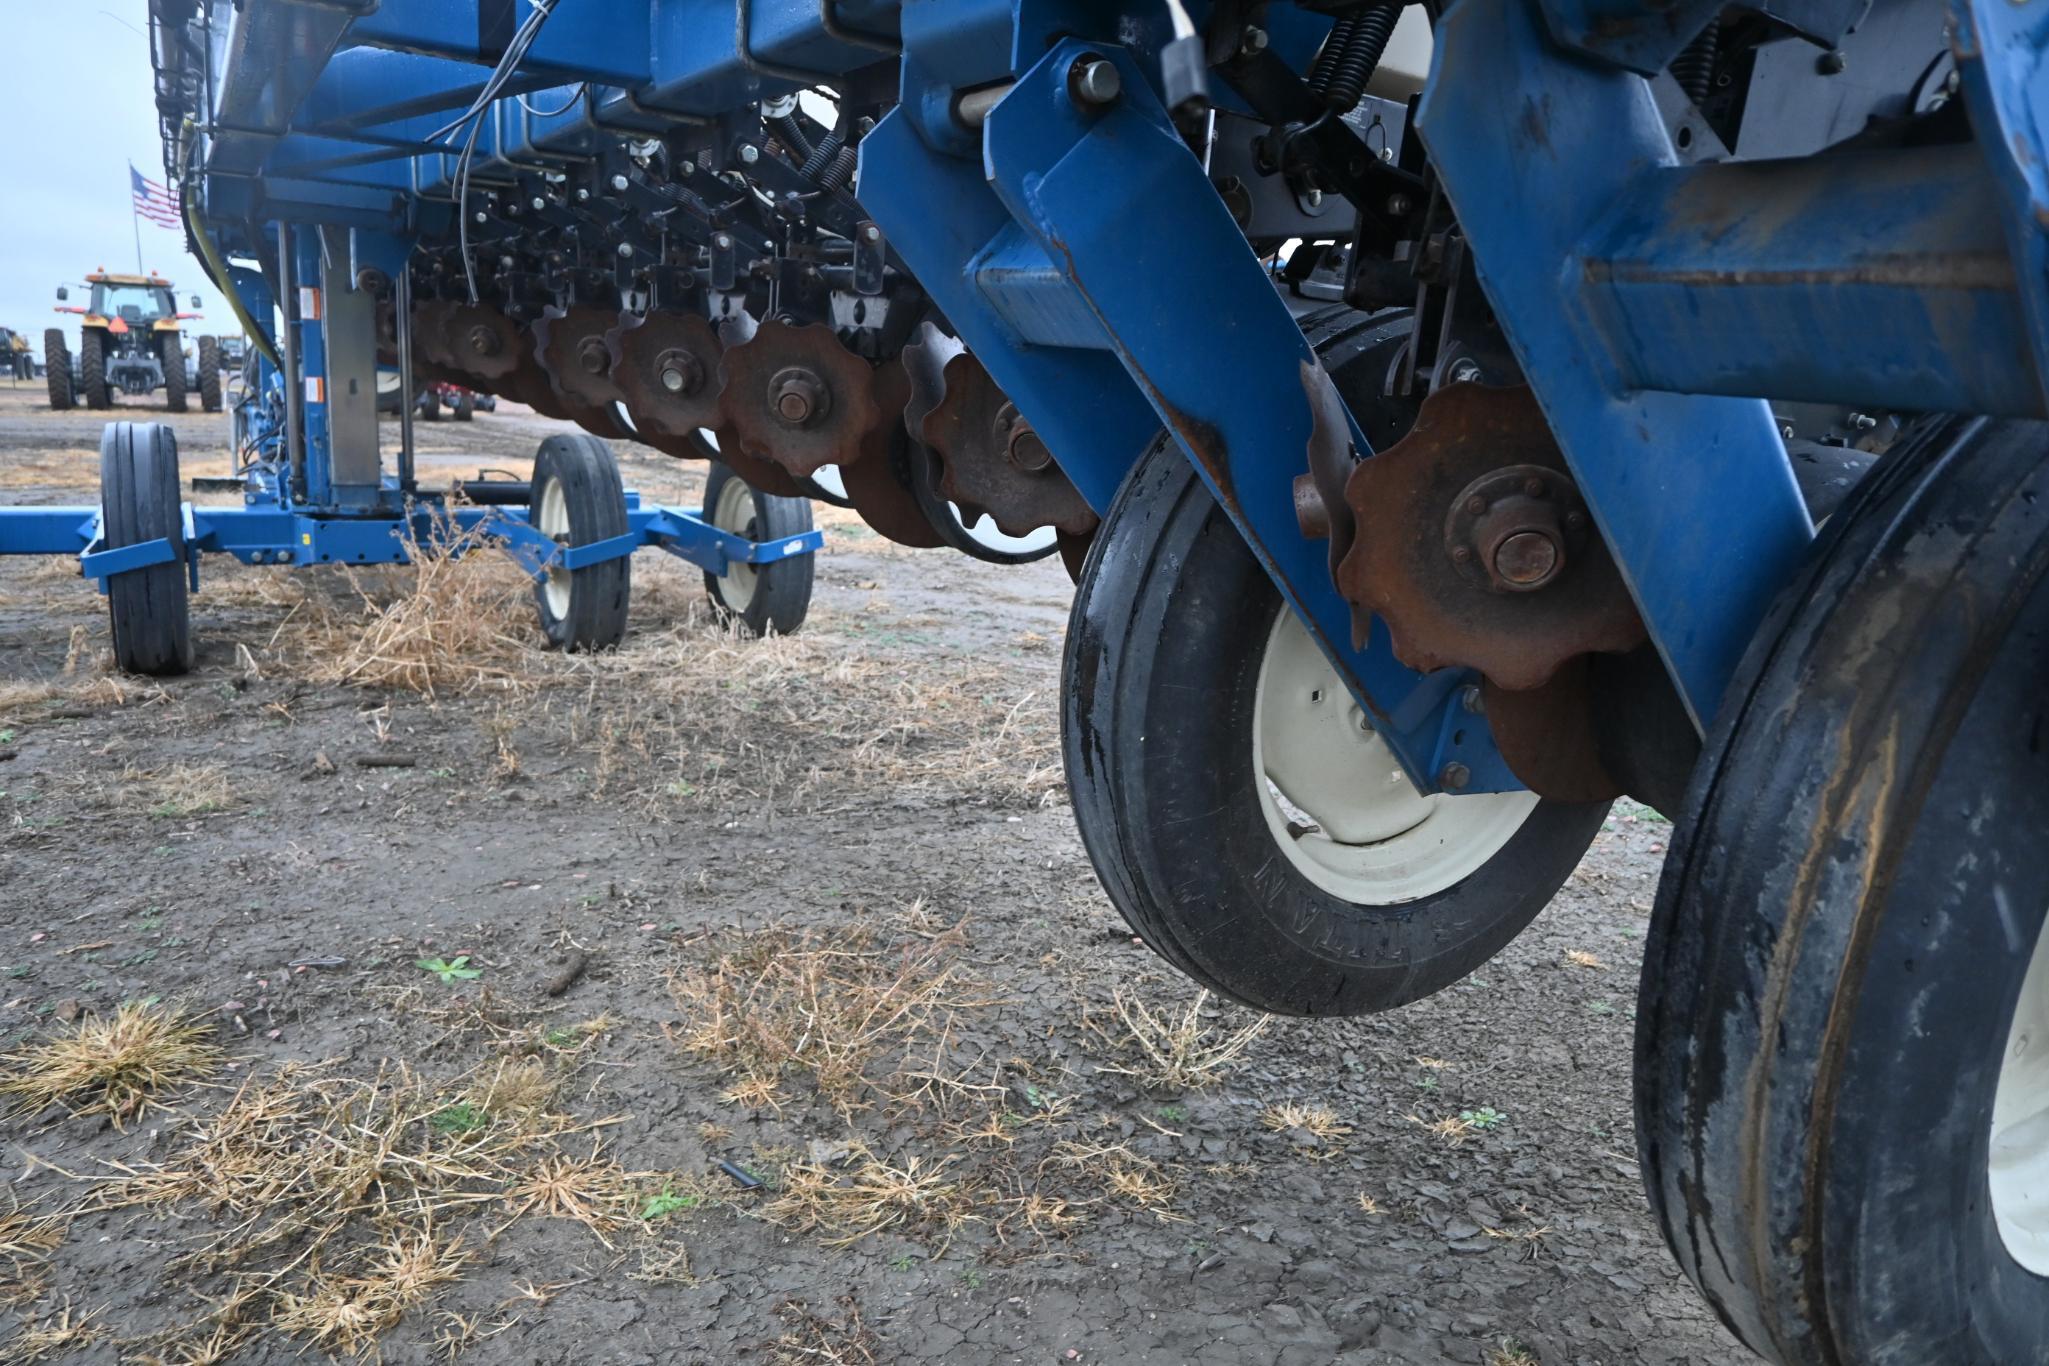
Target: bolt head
1094	82
1533	487
618	182
1253	41
1472	699
672	379
625	250
1466	372
480	217
798	396
583	196
1454	777
537	204
1314	199
1528	559
749	154
871	233
1476	505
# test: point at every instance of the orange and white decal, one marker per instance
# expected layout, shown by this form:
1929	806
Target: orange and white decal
316	389
309	304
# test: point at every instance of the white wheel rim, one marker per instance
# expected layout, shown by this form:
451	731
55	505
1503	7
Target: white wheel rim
735	513
1373	839
552	521
2018	1163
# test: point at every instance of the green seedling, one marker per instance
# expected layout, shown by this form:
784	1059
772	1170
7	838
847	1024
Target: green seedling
459	1118
457	969
666	1202
1486	1117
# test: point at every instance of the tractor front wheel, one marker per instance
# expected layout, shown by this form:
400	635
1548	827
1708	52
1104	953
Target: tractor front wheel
57	370
171	356
210	374
1842	1048
92	368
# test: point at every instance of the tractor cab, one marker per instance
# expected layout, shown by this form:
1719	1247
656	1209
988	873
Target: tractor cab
129	343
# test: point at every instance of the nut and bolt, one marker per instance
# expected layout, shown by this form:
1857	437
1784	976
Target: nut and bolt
583	196
1093	81
626	251
619	182
871	233
1252	41
1454	777
1476	505
1399	205
1314	199
480	217
798	396
483	341
592	356
749	154
1465	372
537	203
679	372
1472	699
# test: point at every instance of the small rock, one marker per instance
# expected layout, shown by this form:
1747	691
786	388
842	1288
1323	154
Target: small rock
68	1010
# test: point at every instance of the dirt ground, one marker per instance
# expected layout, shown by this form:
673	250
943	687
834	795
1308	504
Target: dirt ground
775	1016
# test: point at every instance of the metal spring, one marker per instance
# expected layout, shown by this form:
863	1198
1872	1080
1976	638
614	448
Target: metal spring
821	156
791	136
1327	56
1365	39
841	171
1694	67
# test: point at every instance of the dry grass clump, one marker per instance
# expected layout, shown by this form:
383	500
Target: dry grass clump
22	700
114	1065
1121	1174
839	1007
335	1205
869	1196
177	791
66	468
459	617
26	1242
50	1337
1318	1121
813	1338
1179	1053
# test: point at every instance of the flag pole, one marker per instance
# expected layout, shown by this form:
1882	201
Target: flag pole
135	219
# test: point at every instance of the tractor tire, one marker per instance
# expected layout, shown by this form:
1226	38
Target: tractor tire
763	598
92	368
171	356
465	407
1841	1074
210	374
57	370
1201	724
148	608
579	500
430	404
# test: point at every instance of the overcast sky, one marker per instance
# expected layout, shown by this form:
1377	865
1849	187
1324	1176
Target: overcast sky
77	92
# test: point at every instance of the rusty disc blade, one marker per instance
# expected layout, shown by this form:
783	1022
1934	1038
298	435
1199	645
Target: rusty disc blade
1441	609
794	395
430	332
1547	736
481	343
665	365
992	458
878	480
570	346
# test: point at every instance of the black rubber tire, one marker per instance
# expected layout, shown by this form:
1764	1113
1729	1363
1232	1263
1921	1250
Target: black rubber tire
1845	921
1164	646
92	368
780	594
171	355
149	609
210	374
430	404
57	370
594	617
465	407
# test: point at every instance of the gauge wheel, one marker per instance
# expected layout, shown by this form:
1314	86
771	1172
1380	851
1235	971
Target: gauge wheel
578	500
977	537
148	609
764	598
1842	1051
1239	808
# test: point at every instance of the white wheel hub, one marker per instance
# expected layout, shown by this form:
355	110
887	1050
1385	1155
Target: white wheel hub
1339	804
734	512
551	519
2019	1157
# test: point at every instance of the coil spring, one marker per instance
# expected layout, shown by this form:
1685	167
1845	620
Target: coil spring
821	156
1694	67
841	171
792	137
1351	54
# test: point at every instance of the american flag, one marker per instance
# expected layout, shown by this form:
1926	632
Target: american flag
153	201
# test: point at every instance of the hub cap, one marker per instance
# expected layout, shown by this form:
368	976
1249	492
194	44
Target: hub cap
735	513
1337	801
551	519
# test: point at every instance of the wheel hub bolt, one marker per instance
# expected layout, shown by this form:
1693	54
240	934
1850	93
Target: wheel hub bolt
593	357
483	341
798	396
1094	82
680	372
1527	559
1454	777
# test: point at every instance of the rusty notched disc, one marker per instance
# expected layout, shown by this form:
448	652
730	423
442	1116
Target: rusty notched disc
570	346
1474	548
479	342
992	460
665	365
794	395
